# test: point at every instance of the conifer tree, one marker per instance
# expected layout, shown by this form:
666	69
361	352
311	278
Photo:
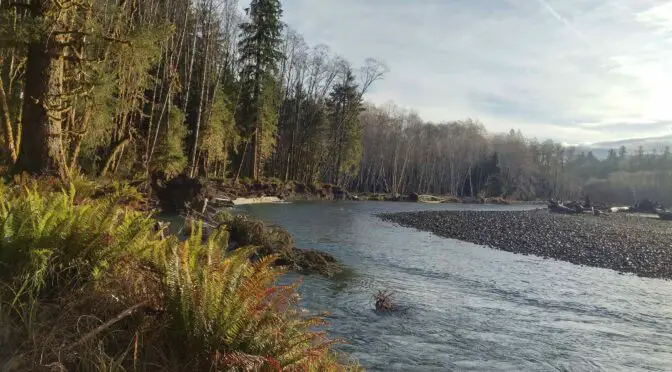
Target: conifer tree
219	137
259	56
345	104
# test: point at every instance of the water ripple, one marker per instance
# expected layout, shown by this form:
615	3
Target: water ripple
470	308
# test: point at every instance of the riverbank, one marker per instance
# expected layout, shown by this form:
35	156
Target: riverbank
181	191
199	302
629	244
272	191
193	199
245	231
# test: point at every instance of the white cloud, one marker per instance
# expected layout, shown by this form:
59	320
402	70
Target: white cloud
574	70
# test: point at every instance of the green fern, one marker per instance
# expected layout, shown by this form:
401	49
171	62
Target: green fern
221	303
47	238
69	263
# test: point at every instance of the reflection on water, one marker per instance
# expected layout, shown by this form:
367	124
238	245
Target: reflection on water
469	307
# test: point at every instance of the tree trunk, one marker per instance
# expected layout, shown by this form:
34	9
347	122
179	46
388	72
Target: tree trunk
255	152
258	109
190	71
242	159
116	149
7	123
40	145
199	115
471	183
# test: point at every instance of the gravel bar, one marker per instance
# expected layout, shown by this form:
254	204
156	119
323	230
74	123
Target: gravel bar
625	243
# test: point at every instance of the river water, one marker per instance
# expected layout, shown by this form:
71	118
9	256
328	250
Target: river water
468	307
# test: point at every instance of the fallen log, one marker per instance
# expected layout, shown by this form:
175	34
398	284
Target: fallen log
665	216
556	207
571	208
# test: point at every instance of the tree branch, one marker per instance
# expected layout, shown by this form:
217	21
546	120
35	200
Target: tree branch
115	150
124	314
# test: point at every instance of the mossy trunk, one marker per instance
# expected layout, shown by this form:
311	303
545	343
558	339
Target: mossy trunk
41	143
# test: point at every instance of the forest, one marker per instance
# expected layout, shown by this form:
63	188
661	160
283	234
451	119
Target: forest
124	89
98	94
403	154
98	97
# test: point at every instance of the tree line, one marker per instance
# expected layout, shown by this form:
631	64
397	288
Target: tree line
404	154
127	88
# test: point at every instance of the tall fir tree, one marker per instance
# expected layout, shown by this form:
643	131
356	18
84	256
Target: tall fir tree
345	104
260	54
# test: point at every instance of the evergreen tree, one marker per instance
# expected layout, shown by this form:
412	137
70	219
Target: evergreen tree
171	158
493	186
259	56
219	137
311	141
345	105
622	151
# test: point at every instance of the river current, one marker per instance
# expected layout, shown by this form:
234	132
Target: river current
469	307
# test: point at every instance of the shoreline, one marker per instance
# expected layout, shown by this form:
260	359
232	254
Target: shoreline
182	190
627	244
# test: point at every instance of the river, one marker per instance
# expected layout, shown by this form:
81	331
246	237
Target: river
468	307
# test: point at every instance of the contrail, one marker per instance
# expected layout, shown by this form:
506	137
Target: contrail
564	21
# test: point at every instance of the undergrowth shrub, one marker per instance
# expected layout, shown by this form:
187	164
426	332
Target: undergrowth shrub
87	189
46	238
246	317
91	285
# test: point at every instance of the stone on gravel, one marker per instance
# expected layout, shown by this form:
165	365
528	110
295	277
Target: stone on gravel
624	243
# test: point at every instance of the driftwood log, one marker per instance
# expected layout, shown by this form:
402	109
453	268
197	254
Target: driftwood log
571	208
665	216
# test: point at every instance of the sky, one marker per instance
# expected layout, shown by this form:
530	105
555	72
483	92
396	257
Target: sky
571	70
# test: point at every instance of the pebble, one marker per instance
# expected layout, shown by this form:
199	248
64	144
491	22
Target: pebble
629	244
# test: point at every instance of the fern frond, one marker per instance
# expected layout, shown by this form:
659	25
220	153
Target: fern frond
218	308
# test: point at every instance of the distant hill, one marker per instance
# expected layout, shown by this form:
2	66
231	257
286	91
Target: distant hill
633	143
649	144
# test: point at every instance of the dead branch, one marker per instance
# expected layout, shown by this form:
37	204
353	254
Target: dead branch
124	314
